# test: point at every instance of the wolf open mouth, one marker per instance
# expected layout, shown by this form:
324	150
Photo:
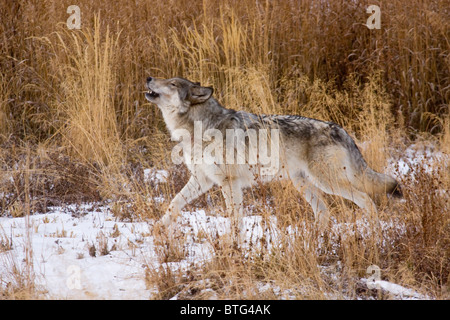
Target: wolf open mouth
151	94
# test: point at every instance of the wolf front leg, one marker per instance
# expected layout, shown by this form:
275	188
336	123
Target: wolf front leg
233	195
195	187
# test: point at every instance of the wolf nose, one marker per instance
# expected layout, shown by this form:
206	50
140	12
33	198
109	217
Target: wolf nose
149	79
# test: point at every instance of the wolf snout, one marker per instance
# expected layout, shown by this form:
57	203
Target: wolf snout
150	95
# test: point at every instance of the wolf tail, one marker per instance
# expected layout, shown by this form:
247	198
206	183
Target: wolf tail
377	183
368	180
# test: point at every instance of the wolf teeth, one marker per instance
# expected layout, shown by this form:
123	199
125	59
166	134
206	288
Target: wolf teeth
152	94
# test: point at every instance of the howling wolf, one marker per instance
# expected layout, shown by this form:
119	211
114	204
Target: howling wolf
319	157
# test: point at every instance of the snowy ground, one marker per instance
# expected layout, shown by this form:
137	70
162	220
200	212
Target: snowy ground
67	267
62	261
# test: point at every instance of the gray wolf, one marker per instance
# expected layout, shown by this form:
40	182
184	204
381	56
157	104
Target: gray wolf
319	157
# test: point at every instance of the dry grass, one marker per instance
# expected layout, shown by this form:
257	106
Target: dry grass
74	126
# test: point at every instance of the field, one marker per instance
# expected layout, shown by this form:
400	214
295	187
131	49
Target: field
85	166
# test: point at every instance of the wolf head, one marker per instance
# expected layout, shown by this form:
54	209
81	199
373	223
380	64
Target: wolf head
176	94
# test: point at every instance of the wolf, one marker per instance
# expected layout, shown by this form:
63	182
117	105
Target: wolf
319	157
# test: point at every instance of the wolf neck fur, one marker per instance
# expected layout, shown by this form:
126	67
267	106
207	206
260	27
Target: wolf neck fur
210	113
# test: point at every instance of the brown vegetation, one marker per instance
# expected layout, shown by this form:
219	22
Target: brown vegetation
75	127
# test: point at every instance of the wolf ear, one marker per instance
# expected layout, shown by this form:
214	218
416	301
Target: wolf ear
199	94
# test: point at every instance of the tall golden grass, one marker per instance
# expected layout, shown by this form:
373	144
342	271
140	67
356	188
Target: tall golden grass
74	125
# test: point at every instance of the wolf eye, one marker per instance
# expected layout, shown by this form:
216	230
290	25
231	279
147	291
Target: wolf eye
173	84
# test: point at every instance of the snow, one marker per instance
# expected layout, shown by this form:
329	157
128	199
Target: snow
64	268
61	260
157	176
417	156
60	242
396	290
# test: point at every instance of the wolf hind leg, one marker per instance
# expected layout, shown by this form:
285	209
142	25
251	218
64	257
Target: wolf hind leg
338	176
313	196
